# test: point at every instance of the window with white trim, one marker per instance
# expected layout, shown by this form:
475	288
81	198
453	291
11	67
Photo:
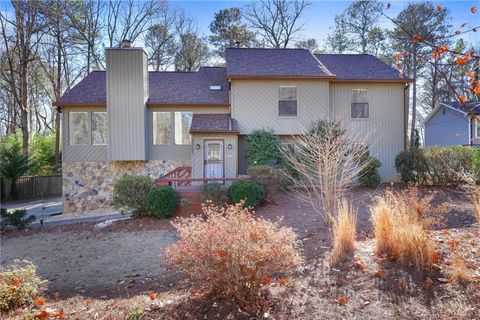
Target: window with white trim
359	106
78	129
287	101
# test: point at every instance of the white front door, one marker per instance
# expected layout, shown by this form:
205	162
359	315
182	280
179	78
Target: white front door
213	159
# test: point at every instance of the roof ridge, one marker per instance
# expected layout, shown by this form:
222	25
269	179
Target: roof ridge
268	48
321	64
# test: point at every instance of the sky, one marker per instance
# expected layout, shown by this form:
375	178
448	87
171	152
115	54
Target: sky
319	17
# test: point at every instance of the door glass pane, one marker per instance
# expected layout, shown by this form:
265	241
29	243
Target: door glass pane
99	128
78	132
162	124
183	120
214	151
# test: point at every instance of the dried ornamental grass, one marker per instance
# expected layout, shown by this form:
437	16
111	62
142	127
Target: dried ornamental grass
230	253
414	247
459	272
344	231
382	221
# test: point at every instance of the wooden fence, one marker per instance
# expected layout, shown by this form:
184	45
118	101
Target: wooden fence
31	187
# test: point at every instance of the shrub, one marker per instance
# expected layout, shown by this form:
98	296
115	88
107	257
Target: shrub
344	231
13	164
444	164
412	166
19	285
368	175
212	191
231	253
16	218
401	222
476	163
263	147
162	201
131	192
248	191
269	178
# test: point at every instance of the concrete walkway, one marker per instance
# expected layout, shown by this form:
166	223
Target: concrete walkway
49	213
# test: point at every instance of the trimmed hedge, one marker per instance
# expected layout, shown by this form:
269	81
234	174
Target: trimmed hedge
162	201
438	166
247	190
130	194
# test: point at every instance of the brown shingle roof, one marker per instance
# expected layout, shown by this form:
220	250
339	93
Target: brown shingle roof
165	88
221	123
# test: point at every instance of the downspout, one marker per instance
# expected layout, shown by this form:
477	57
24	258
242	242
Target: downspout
405	116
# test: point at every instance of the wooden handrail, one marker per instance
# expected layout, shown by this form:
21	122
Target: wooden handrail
185	181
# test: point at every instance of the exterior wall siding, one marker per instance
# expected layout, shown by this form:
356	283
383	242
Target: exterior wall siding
230	155
446	128
384	129
255	104
80	153
127	92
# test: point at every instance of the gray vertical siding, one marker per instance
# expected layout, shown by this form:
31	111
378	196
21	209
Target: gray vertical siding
80	153
127	92
446	128
384	129
255	105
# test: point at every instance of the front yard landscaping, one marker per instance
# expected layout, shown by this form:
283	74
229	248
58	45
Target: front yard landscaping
116	271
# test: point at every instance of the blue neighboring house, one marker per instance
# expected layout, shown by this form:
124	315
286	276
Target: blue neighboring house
453	123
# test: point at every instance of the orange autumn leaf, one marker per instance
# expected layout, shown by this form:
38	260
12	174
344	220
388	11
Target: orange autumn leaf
266	280
471	75
380	274
443	49
16	282
435	257
439	8
417	38
461	61
88	302
61	315
39	301
282	282
434	54
398	56
402	285
222	253
476	90
343	300
473	9
469	54
454	243
463	100
42	315
153	295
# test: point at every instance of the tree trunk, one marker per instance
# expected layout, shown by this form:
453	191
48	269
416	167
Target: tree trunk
414	102
58	92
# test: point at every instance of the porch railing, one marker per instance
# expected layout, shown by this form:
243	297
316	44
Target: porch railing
177	182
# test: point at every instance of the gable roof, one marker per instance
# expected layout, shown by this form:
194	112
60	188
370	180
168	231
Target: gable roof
219	123
274	63
359	67
463	109
166	88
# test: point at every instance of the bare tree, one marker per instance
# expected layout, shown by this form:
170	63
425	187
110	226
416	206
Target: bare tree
276	21
326	165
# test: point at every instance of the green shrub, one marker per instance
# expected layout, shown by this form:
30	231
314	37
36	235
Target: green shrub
162	201
212	191
19	285
263	147
412	166
476	163
247	190
446	164
271	179
369	176
16	218
438	166
130	194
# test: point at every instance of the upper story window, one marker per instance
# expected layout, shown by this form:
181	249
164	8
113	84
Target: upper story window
183	120
162	125
99	128
360	107
287	101
79	131
87	128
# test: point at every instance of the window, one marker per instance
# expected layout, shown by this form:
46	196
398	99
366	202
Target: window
360	104
183	120
287	101
477	128
99	128
78	132
162	125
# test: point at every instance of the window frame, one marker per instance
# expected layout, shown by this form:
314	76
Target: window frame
106	128
279	100
175	128
170	137
89	129
366	102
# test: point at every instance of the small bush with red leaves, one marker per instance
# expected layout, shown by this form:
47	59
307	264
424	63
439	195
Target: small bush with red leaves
228	252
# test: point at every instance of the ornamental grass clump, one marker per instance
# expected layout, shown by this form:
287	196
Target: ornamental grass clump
231	254
344	231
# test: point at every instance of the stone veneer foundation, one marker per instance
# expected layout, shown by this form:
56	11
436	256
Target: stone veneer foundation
89	185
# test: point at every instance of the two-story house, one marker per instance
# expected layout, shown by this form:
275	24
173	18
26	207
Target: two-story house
127	120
